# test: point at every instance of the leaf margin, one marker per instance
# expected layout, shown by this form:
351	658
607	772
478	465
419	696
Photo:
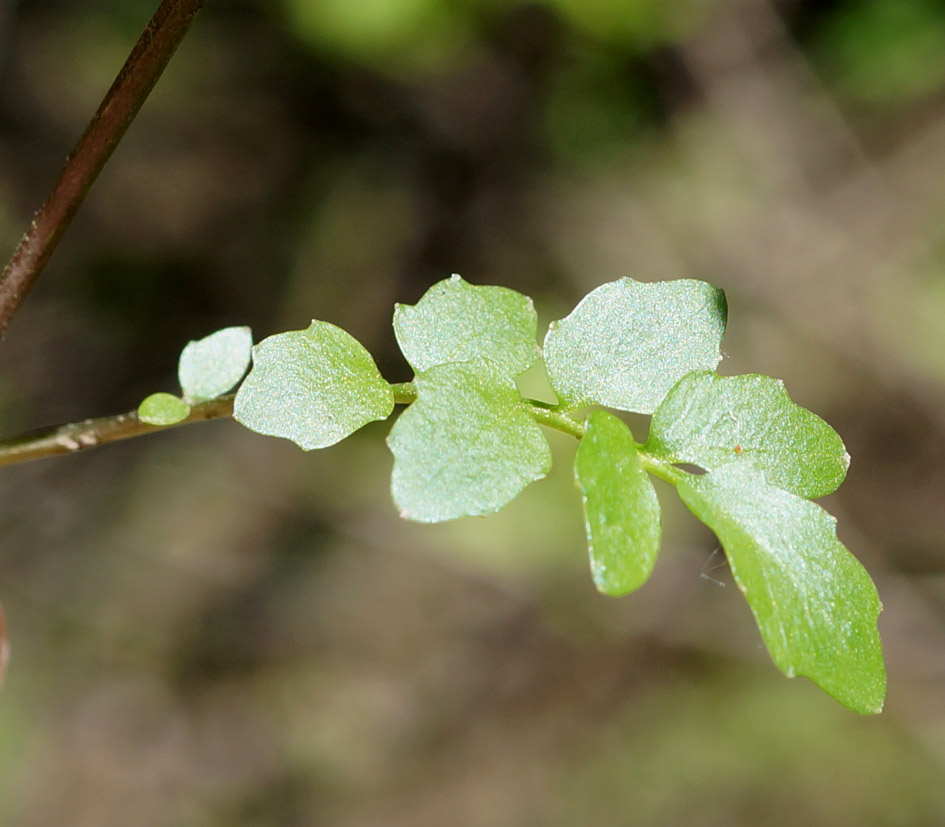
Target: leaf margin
829	677
808	458
604	432
426	410
580	349
310	418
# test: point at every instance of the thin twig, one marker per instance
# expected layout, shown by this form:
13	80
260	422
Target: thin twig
116	112
89	433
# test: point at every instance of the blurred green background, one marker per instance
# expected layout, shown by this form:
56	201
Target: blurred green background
213	628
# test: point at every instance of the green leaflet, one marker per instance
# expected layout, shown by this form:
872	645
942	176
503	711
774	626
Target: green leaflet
163	409
621	512
814	603
459	322
313	386
628	342
712	420
209	367
467	446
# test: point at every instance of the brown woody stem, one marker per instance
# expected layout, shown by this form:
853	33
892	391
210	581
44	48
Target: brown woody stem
116	112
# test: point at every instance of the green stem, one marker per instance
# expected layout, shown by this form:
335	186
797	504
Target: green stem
405	393
666	471
116	112
553	417
89	433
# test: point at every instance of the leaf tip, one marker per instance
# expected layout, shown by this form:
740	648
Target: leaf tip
606	585
211	366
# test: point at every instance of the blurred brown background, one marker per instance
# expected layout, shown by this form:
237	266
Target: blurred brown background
214	628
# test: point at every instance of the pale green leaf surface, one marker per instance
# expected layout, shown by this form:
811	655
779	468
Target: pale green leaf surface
628	342
209	367
456	321
814	603
163	409
314	387
711	421
621	511
466	447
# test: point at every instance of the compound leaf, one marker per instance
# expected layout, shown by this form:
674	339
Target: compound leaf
467	446
621	511
456	321
209	367
313	386
814	603
712	420
628	342
163	409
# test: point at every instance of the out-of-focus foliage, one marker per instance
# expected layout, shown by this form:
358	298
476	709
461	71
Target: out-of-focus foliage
885	52
714	775
637	23
405	37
